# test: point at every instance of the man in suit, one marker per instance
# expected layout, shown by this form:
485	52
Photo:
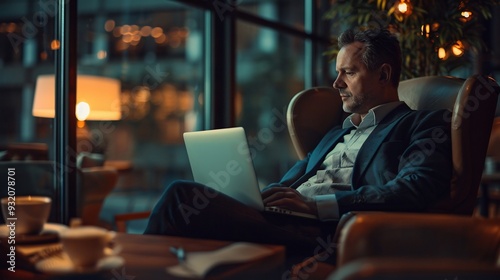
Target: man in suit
385	156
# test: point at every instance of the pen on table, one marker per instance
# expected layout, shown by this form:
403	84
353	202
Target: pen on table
179	253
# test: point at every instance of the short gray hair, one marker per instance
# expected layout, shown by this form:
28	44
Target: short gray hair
380	46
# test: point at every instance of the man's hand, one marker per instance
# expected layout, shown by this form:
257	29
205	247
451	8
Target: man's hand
288	198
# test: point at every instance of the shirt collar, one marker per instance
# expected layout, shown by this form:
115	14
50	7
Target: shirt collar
374	116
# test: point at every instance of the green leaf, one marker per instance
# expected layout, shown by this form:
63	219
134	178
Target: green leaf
391	10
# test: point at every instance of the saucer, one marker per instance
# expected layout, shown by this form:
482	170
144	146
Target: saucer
61	264
49	233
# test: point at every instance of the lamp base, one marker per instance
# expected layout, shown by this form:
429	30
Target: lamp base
86	141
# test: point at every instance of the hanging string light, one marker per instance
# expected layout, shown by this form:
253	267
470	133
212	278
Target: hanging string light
458	48
425	30
404	7
443	54
401	9
465	16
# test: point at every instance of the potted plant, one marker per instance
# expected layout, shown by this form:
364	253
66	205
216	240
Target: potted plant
436	36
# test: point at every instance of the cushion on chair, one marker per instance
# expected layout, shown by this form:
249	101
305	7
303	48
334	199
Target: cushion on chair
430	93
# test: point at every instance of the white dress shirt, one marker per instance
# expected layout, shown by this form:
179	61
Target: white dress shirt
336	170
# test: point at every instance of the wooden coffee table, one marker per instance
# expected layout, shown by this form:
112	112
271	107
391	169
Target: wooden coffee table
148	256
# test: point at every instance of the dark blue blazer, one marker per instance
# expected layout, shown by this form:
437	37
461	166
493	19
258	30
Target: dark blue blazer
404	165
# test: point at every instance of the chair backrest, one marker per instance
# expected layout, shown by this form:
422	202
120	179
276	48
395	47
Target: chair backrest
24	151
473	102
95	184
311	113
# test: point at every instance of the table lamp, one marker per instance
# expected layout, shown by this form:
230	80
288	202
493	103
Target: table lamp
97	98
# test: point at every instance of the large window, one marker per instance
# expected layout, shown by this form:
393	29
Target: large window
282	11
270	69
26	50
155	49
277	54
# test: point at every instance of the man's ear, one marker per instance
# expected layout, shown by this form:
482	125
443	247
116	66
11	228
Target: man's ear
385	73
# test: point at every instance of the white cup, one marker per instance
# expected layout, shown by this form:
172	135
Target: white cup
31	213
85	245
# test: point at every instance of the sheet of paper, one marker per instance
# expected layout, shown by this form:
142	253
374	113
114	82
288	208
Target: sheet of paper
197	264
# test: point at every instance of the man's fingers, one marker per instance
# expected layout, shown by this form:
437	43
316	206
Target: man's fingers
272	191
286	194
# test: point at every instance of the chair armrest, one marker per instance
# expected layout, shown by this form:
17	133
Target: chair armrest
419	236
122	219
414	269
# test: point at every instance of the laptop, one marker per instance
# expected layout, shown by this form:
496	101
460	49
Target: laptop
221	159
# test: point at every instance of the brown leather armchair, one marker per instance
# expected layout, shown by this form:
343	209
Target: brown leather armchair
95	184
473	103
418	246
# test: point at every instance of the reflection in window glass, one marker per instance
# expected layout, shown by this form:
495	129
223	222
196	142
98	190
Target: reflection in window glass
155	51
27	49
283	11
269	73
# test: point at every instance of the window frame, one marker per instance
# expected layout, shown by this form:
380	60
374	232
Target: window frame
220	80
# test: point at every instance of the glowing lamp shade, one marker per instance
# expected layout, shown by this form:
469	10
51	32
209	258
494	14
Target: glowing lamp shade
97	98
